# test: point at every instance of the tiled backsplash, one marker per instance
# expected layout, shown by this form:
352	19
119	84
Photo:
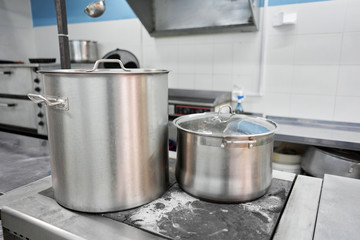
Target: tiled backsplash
312	69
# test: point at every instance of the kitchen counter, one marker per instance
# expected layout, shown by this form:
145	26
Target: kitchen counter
31	212
33	203
318	132
22	160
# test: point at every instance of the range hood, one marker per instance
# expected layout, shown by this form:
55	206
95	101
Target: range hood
179	17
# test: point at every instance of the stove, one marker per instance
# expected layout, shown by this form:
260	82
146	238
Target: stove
175	215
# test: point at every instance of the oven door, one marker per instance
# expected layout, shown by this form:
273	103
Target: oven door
16	80
18	112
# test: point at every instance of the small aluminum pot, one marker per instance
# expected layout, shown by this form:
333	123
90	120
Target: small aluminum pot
83	51
224	157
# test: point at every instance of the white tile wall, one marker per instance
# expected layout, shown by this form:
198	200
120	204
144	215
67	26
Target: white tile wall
312	106
278	78
346	109
17	35
315	79
351	48
349	81
352	17
277	104
318	49
312	68
316	18
280	50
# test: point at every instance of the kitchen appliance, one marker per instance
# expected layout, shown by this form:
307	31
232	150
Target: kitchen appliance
224	157
108	136
186	101
167	17
319	161
17	113
83	51
127	58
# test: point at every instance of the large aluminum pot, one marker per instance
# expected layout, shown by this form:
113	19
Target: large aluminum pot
224	157
108	133
83	51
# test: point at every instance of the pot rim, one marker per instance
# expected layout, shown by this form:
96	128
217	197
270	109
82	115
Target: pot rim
133	71
191	116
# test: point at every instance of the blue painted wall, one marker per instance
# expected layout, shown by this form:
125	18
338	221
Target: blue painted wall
43	11
286	2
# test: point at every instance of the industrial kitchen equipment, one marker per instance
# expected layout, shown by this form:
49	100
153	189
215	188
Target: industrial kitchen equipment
108	132
224	157
17	113
167	17
186	101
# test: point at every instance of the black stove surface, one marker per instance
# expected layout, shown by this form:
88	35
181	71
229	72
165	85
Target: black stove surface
177	215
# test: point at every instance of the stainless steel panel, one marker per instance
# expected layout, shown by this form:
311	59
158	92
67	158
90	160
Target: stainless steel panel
40	217
339	214
185	14
299	217
16	81
17	112
318	132
168	17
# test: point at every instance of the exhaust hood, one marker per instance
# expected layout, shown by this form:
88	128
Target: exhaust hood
180	17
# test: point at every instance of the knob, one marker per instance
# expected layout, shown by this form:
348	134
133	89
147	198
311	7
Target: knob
40	115
186	111
39	105
36	80
37	89
41	123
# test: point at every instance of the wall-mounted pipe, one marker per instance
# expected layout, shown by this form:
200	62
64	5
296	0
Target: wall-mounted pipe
63	34
261	83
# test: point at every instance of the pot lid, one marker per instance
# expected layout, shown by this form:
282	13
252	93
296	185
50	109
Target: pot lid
96	70
225	124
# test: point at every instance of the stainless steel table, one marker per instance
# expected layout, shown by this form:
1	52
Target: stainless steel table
22	209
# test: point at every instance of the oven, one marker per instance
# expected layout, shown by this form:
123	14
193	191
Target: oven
17	113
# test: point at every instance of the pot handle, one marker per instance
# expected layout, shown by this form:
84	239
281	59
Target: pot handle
226	106
351	169
249	142
96	65
51	101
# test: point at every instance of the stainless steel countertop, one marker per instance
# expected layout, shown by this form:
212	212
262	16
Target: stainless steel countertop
309	211
318	132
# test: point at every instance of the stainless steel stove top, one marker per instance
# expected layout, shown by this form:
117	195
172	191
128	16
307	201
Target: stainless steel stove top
176	215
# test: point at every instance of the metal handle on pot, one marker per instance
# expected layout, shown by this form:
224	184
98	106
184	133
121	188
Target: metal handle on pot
96	65
249	142
224	106
352	167
51	101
